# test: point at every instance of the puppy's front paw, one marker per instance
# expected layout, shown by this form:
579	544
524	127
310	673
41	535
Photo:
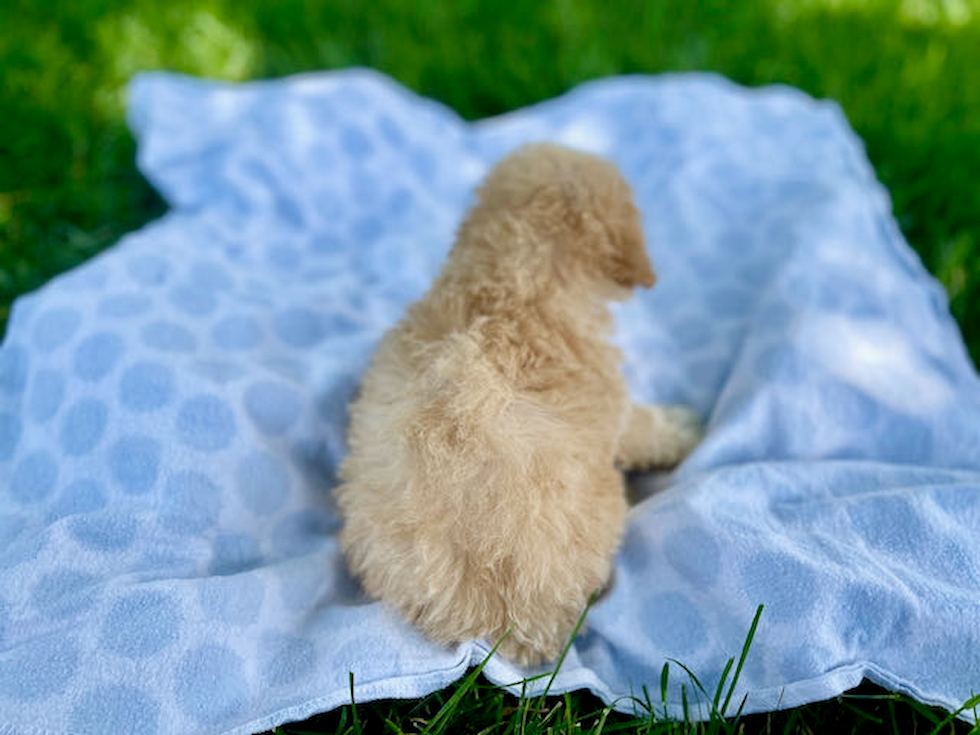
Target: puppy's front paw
684	425
658	436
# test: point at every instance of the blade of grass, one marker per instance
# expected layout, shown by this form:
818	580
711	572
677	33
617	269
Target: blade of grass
721	687
972	703
544	721
524	706
635	701
539	702
697	683
745	652
342	724
446	711
638	704
602	722
353	705
921	709
568	646
528	680
632	725
861	713
790	726
684	709
741	706
891	716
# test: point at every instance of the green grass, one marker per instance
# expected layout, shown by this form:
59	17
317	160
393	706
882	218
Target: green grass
484	709
477	707
904	71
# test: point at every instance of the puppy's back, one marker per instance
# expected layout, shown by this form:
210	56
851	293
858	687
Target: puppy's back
469	503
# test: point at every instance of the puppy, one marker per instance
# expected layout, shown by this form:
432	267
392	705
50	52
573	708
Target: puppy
483	492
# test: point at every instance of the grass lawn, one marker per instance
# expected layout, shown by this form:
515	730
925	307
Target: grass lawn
474	706
904	71
484	709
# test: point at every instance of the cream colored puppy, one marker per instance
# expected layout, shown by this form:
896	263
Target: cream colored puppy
483	491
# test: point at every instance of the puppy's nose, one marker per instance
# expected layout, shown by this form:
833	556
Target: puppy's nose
636	271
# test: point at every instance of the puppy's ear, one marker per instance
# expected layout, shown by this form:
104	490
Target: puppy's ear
630	265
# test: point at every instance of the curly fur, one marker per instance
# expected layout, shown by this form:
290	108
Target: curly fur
482	491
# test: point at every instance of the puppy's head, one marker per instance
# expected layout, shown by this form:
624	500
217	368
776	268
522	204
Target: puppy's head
580	205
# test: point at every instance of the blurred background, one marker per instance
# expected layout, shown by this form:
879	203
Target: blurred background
905	72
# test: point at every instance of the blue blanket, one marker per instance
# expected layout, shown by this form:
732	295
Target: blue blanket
172	413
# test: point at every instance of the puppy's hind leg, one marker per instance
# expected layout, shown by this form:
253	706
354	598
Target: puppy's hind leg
658	436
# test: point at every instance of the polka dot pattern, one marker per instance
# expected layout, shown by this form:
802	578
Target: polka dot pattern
210	687
694	554
193	300
108	532
236	333
83	426
34	477
149	270
205	423
232	600
47	394
233	553
262	482
210	276
677	623
64	593
168	337
273	407
13	370
95	356
788	586
286	658
141	624
172	415
872	616
301	328
217	371
54	328
146	386
190	503
11	527
303	532
10	428
134	462
80	496
34	673
124	305
22	547
116	707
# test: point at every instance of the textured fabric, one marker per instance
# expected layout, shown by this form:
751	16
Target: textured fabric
172	413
